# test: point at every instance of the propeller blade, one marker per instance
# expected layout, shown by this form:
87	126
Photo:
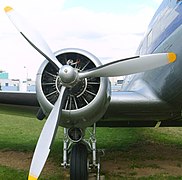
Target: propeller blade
32	36
130	65
46	137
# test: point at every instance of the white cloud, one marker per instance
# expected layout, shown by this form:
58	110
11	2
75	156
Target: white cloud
105	35
158	1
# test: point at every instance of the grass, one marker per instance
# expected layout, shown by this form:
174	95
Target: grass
7	173
170	136
117	138
19	131
10	174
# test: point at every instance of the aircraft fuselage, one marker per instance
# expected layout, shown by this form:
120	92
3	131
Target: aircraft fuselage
164	35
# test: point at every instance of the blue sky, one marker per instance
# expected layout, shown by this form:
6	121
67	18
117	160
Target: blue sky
108	29
111	6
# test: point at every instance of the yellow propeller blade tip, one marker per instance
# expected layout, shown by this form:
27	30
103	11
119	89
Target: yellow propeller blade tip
171	57
32	178
8	8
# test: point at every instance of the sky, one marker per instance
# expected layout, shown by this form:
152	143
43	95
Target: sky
110	30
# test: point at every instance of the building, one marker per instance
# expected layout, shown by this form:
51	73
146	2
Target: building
4	75
7	84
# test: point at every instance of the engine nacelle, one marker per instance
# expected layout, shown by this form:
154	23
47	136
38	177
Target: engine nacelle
87	101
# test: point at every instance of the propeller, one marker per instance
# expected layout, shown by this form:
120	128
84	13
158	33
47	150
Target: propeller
70	77
46	137
130	65
32	36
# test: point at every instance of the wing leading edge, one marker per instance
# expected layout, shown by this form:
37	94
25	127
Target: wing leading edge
18	98
126	109
134	109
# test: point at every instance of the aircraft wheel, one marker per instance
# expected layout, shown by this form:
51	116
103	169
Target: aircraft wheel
78	162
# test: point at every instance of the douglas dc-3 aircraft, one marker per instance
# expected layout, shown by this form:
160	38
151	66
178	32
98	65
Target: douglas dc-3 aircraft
73	90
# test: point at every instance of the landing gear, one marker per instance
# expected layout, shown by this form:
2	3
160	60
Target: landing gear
78	162
77	151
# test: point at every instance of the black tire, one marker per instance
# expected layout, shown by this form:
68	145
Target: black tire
78	162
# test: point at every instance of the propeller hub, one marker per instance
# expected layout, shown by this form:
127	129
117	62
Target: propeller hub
68	75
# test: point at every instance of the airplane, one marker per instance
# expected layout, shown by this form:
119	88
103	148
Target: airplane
73	90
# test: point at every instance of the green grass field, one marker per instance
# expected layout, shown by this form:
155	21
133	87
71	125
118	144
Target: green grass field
130	153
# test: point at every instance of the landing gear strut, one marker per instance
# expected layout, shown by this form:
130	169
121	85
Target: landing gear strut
76	153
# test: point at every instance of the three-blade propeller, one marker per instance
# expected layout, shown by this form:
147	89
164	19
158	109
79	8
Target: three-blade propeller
69	77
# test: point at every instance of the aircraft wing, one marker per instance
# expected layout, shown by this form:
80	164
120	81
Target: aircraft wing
18	98
134	109
120	101
126	108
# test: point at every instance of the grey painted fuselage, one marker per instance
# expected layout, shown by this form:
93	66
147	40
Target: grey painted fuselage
166	81
155	95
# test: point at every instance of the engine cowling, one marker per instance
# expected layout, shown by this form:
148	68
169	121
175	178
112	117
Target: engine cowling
87	100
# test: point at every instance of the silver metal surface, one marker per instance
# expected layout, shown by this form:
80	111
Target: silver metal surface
79	117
